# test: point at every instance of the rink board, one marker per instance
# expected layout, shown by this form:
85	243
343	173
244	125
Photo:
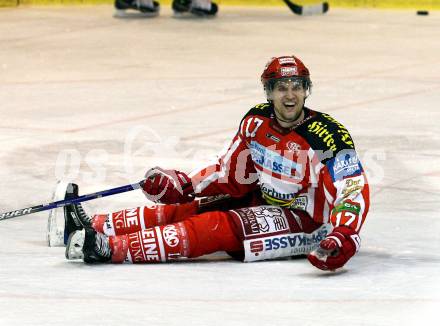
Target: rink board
389	4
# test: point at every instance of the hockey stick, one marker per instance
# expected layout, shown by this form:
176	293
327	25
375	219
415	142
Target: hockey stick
306	10
61	203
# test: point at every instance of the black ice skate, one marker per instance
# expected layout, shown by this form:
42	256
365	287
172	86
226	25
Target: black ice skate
96	247
88	245
199	8
64	220
75	218
181	6
141	8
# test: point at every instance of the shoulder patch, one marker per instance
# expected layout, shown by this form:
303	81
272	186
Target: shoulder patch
343	133
345	164
324	133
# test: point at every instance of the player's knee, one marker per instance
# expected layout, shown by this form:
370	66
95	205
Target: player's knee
212	231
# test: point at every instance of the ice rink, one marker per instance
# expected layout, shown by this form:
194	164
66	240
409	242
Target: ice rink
99	100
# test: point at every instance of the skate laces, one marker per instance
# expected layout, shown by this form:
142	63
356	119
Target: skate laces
84	217
201	4
102	245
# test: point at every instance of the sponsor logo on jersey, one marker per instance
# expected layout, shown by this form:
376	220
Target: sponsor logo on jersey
352	182
300	203
149	245
273	161
262	219
322	131
169	233
348	163
249	221
319	129
272	193
272	219
342	131
274	138
131	217
143	246
284	245
352	186
126	218
275	198
302	242
291	200
293	147
135	247
262	106
256	246
118	220
345	164
348	206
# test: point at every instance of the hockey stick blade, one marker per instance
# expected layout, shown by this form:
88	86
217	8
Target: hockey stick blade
61	203
308	10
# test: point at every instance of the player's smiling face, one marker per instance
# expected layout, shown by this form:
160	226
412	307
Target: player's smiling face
288	98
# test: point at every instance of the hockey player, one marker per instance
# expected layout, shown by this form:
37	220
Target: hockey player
289	184
150	8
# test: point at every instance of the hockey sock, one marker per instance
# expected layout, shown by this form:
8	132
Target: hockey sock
152	245
196	236
140	218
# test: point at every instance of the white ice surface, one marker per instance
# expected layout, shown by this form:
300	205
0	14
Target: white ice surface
123	95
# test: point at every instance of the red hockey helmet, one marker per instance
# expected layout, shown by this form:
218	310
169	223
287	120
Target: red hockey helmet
285	67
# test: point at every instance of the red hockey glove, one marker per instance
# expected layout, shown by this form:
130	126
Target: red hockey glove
167	186
336	249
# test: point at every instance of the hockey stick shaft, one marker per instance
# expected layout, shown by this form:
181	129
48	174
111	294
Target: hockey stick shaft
61	203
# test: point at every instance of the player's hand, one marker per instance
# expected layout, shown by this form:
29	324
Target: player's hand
336	249
167	186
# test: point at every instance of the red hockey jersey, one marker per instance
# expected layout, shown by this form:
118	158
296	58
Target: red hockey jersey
312	166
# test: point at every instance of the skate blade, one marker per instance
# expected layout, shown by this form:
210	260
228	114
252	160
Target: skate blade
75	245
120	13
55	221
